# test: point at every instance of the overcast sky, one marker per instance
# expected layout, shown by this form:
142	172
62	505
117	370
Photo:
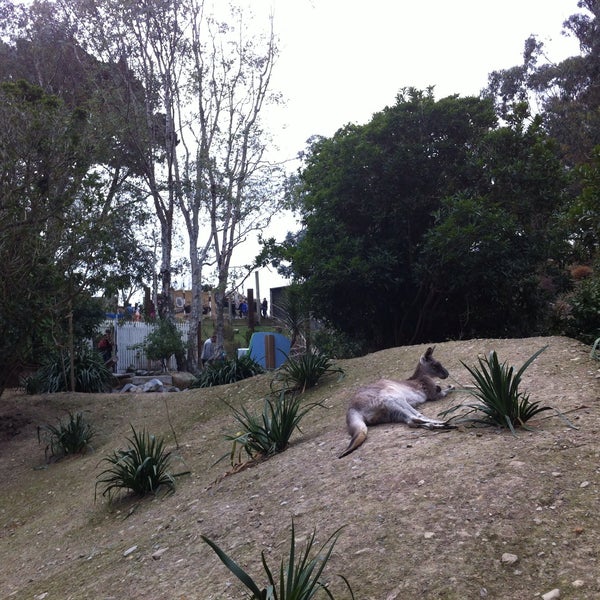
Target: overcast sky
343	60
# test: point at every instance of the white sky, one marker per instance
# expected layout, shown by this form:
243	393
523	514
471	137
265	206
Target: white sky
343	60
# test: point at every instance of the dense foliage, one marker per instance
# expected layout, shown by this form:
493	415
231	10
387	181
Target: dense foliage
430	222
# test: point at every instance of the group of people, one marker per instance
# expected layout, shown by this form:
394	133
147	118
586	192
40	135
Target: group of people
243	309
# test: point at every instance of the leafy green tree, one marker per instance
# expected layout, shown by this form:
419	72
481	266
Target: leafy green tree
368	195
59	240
565	92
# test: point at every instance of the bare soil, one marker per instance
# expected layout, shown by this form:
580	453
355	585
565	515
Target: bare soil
424	514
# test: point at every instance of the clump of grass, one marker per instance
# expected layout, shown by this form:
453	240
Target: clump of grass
71	437
500	401
298	580
306	371
269	432
141	469
222	372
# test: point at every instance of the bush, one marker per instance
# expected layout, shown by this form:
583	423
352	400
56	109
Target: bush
226	371
584	318
91	374
268	433
306	371
337	344
72	437
164	342
501	403
142	469
297	580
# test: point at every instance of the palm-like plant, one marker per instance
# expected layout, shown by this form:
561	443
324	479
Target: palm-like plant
228	371
501	402
299	580
268	433
142	469
72	437
306	370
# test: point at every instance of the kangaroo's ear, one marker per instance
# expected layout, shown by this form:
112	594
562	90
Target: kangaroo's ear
429	352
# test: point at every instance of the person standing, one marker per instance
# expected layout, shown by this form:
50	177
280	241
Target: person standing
208	350
263	308
105	346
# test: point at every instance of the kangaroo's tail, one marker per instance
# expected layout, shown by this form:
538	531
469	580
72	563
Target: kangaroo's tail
357	428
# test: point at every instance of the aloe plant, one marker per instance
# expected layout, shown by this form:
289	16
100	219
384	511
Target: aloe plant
269	432
70	437
142	468
306	371
298	580
497	388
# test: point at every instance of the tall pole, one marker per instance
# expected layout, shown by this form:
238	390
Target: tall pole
258	313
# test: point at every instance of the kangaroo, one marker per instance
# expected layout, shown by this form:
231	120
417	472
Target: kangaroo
387	401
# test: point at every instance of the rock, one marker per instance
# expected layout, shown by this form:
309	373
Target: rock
154	385
128	387
578	583
509	559
130	551
182	379
158	554
551	595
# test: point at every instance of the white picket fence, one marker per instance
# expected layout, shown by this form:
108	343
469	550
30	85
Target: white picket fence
129	334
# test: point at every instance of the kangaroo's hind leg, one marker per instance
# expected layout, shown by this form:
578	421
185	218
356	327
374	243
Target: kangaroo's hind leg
413	418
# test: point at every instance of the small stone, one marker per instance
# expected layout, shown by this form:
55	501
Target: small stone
578	583
551	595
509	559
158	554
428	535
130	550
584	484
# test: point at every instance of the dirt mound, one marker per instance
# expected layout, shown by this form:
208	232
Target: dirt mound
463	514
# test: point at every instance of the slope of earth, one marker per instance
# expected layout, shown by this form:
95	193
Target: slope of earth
461	514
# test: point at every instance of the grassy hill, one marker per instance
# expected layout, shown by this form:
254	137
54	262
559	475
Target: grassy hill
425	514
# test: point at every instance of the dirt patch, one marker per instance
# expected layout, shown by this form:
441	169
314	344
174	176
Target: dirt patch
424	514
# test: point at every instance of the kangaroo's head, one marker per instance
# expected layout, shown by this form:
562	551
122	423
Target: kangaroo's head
430	366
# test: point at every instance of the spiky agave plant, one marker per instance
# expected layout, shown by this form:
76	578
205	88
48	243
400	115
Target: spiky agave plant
269	432
142	468
70	437
501	402
298	580
305	371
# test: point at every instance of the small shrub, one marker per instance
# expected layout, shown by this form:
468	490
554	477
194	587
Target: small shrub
72	437
306	371
226	371
501	403
337	344
142	469
297	580
268	433
164	342
92	376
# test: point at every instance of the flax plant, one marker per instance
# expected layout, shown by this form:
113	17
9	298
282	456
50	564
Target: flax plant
500	401
71	437
306	371
141	469
269	432
299	579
